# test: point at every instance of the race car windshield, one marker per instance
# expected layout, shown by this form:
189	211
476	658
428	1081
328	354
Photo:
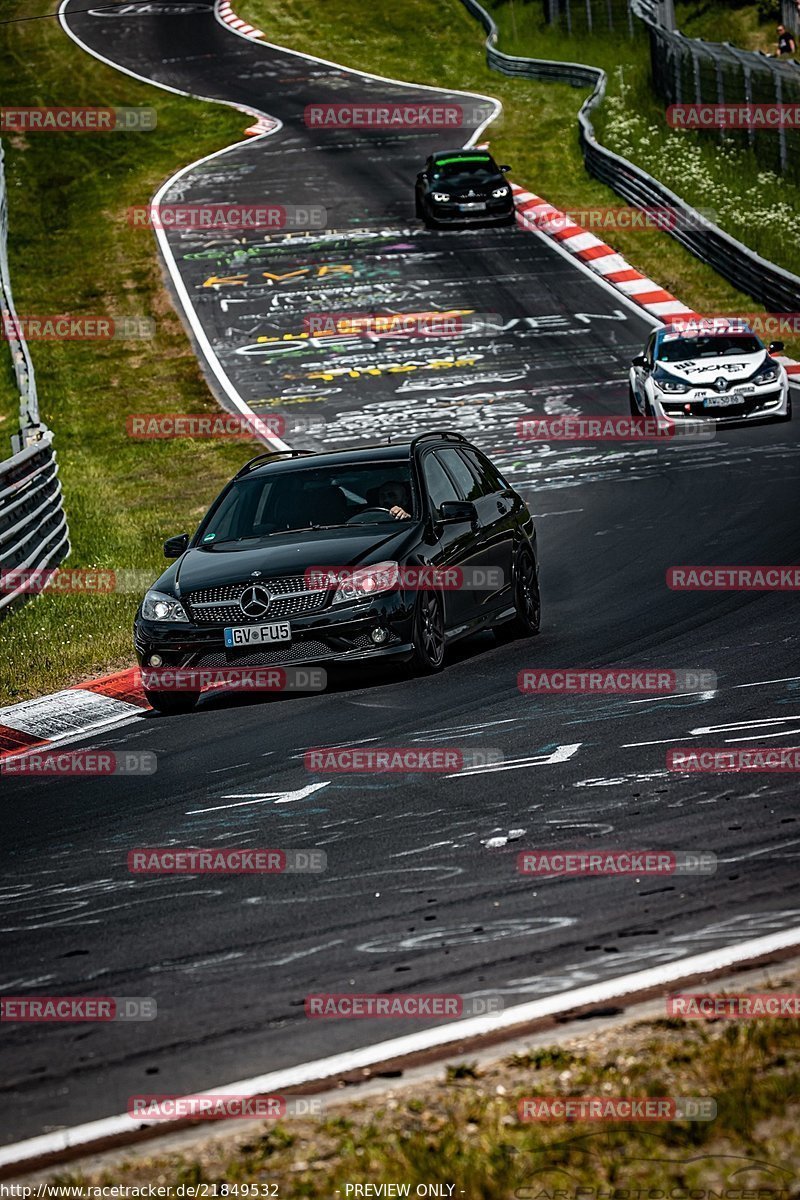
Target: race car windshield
472	170
257	507
718	346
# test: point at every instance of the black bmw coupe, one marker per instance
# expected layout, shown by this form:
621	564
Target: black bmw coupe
461	187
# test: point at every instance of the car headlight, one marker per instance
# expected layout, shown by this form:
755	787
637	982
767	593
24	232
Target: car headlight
501	191
157	606
667	383
767	374
441	197
366	582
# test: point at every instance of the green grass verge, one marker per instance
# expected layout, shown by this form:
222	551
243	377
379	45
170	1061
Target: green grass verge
72	251
463	1130
9	401
537	132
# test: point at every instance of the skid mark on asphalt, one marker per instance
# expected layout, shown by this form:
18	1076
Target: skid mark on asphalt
668	949
617	780
464	935
81	904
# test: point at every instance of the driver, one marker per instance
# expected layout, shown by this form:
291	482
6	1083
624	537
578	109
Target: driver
394	495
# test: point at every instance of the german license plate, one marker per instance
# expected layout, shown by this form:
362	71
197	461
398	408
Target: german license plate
257	635
476	206
724	401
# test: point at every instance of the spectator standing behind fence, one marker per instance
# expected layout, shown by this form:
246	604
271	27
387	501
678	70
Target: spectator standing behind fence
786	42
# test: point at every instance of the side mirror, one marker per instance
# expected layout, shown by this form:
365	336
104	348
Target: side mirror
175	546
774	347
454	512
504	167
639	361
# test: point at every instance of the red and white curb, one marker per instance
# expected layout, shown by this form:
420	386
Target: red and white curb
227	15
262	125
75	711
535	213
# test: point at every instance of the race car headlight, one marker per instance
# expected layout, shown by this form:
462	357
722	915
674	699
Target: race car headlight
767	374
366	582
667	383
157	606
501	191
440	197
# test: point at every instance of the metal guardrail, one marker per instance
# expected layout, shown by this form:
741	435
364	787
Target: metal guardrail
33	525
688	70
692	70
777	289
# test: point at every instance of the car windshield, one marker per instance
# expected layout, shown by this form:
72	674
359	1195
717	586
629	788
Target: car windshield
472	170
708	346
259	505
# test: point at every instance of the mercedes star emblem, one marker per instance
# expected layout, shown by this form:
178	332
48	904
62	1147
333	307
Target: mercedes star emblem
254	600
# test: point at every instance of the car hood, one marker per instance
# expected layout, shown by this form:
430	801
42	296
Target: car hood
461	185
287	554
701	371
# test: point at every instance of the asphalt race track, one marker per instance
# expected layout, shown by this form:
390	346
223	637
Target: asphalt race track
413	898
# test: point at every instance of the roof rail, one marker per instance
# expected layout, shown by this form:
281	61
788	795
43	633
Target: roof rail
260	459
446	435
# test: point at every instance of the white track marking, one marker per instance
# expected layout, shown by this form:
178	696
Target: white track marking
246	798
290	958
761	737
764	682
559	755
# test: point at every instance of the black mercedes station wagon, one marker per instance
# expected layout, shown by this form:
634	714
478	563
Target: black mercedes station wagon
389	551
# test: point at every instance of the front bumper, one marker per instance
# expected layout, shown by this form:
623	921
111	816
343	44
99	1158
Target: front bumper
342	634
760	404
450	214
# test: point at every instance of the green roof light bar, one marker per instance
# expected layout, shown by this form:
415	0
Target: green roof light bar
464	158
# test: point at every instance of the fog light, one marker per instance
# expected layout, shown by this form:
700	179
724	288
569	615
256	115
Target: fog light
379	636
156	660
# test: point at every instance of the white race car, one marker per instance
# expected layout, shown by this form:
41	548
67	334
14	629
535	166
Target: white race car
717	371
